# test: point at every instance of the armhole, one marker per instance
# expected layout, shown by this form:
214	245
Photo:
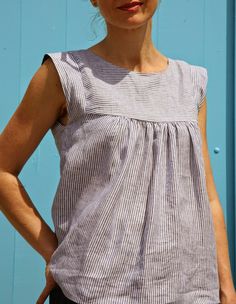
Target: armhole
200	79
64	80
203	86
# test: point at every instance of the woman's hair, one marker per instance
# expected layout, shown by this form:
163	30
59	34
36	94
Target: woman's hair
97	17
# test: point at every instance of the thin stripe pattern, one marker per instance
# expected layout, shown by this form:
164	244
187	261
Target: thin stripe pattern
131	210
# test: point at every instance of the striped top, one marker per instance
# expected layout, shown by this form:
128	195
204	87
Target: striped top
131	210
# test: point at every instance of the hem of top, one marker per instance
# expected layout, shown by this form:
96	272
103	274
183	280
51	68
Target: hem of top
195	301
69	296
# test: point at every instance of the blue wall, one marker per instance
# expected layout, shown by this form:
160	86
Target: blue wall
200	32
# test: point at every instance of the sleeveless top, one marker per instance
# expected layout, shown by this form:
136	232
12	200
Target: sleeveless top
131	210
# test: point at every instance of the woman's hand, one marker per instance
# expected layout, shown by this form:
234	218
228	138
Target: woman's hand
50	284
228	296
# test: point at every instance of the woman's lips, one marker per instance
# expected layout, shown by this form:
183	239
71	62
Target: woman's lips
131	6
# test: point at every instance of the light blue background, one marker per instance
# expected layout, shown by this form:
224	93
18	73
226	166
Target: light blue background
201	32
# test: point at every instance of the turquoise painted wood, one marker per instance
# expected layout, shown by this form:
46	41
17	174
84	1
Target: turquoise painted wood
195	31
230	131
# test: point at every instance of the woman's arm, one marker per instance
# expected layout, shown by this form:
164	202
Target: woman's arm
227	290
40	107
20	211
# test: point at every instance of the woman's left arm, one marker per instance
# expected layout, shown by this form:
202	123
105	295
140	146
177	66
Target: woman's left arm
227	289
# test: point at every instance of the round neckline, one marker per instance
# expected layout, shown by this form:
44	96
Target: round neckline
127	71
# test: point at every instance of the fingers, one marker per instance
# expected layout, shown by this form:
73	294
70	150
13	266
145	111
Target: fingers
50	284
44	294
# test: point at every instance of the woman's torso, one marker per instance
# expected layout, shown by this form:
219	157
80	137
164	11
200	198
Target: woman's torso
131	210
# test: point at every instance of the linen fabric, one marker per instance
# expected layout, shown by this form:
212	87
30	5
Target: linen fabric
131	210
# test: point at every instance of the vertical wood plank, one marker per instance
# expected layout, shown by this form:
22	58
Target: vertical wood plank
181	29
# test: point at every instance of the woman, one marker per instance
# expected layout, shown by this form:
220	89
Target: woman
136	213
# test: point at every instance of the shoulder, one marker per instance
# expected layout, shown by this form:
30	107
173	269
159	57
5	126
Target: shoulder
67	72
198	74
66	65
195	70
64	59
195	76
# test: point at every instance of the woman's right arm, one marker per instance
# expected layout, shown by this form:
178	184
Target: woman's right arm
39	109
